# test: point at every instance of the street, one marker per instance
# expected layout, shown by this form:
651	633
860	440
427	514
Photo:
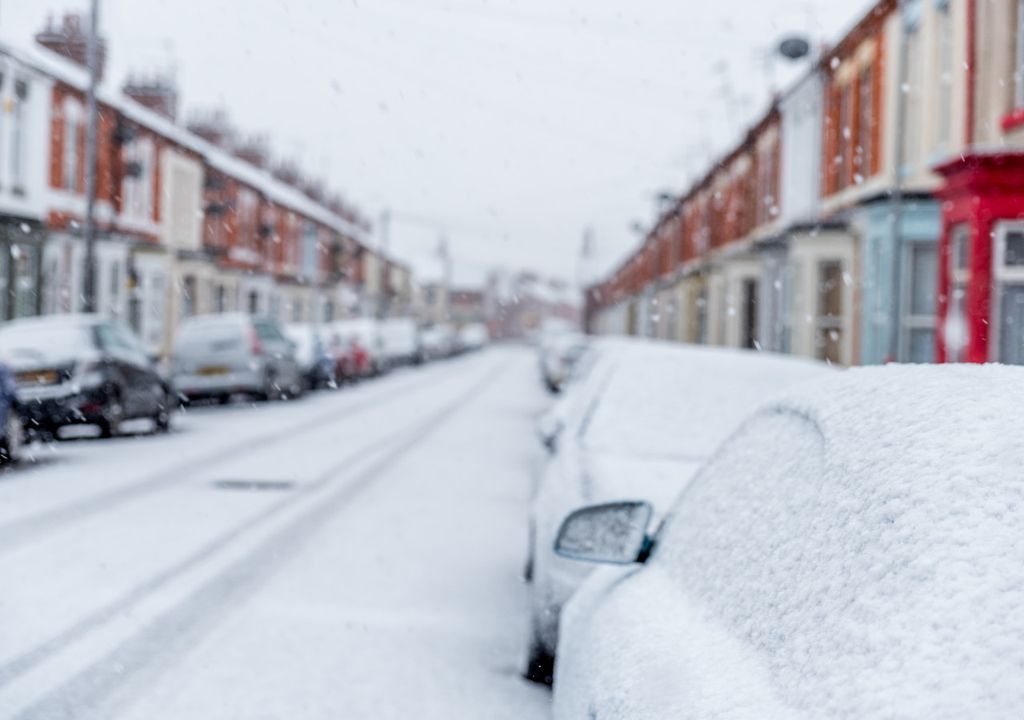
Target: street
353	555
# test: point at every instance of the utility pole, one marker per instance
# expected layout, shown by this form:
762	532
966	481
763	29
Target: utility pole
897	189
446	275
382	248
92	60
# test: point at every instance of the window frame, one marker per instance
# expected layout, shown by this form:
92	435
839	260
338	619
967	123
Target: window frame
1002	275
1018	75
828	323
909	320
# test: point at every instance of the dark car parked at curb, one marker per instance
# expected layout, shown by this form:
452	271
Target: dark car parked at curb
12	424
82	369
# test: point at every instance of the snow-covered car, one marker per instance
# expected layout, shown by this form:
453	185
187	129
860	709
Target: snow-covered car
12	422
311	354
473	336
558	355
641	422
219	355
400	341
853	551
360	349
82	370
438	341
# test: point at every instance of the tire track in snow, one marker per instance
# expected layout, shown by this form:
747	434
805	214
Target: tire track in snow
25	530
105	682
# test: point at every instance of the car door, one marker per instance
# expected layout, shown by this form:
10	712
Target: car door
658	640
278	351
147	387
119	369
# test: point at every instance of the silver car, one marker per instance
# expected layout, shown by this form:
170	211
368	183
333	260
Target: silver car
217	356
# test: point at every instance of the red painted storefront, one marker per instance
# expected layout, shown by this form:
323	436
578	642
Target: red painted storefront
980	192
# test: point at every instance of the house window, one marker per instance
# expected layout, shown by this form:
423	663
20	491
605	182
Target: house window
865	124
188	296
920	285
957	331
18	136
944	95
750	314
1018	74
114	306
26	271
913	94
138	179
70	159
828	324
844	135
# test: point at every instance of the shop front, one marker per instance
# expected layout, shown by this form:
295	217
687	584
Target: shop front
909	300
981	260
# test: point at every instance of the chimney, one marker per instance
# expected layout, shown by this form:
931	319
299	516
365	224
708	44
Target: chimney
253	151
213	127
159	94
288	173
69	40
313	189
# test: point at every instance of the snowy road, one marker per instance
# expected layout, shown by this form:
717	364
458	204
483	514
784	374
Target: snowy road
352	555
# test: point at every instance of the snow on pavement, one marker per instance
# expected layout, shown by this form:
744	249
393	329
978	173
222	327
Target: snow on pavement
396	597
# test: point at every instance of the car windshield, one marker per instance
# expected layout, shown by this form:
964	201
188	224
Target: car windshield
27	342
321	320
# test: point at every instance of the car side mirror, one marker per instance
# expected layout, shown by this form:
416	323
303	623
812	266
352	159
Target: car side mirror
613	533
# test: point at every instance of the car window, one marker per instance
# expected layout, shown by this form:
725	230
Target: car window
749	530
267	331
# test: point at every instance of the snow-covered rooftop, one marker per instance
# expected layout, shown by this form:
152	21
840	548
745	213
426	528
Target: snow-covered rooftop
62	69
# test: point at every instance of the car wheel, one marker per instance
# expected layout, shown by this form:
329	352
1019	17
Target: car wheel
112	415
162	419
12	446
269	390
540	664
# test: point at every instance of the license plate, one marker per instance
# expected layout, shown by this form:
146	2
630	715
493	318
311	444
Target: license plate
37	377
213	370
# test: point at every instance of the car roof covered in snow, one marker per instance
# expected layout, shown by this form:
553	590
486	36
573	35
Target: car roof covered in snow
665	399
58	320
859	542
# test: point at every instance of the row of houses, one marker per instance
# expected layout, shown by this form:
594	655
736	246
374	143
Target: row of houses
874	213
190	218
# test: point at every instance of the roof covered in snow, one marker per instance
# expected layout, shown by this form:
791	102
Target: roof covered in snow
64	70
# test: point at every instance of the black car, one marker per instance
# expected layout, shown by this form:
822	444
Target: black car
82	369
12	423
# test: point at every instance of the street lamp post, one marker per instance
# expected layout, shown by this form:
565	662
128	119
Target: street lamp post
385	221
92	60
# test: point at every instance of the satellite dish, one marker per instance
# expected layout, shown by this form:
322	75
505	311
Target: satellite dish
794	48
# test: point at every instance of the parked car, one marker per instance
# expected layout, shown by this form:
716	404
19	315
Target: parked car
853	551
217	356
359	351
312	354
642	421
12	421
473	336
558	355
82	369
438	341
400	341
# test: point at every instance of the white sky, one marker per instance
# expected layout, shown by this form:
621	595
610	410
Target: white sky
508	125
